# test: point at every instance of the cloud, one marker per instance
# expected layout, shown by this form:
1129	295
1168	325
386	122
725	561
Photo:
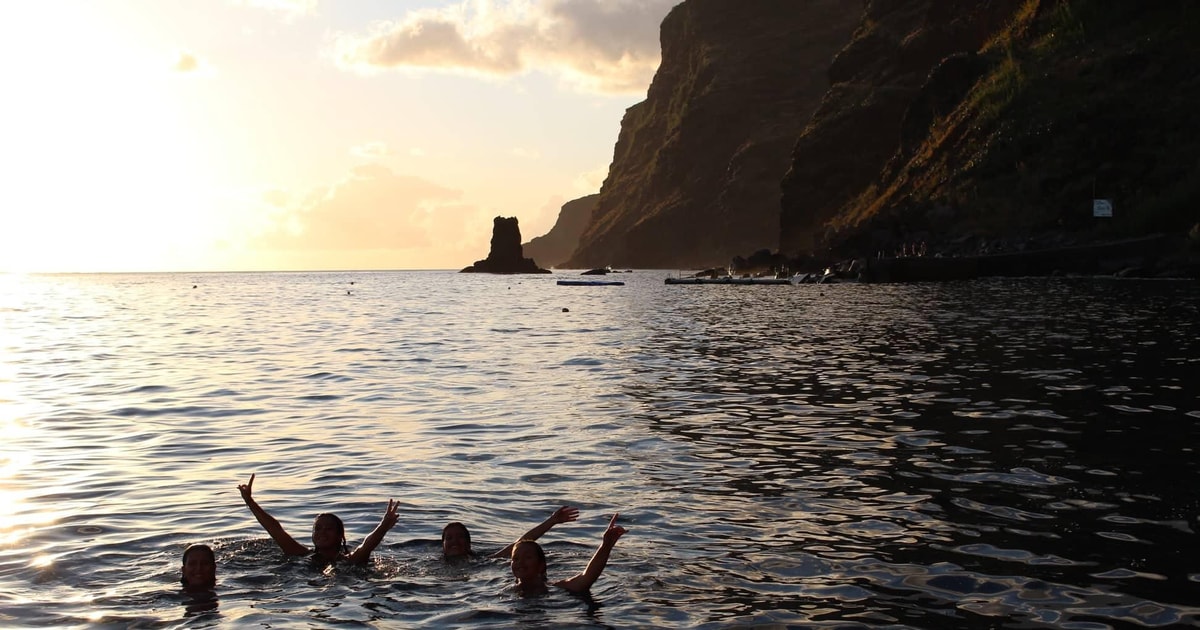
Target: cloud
291	9
590	182
276	197
186	62
526	154
373	150
372	208
607	46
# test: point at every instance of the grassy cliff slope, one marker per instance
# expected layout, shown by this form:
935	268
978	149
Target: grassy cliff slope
1005	147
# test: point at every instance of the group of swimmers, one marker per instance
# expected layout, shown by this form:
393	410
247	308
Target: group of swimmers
527	560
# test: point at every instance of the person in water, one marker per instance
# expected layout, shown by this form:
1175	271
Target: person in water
199	568
528	564
456	539
328	533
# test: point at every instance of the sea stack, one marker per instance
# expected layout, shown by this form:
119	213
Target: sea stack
506	255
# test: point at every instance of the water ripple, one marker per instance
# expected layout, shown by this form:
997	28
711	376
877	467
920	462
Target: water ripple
1014	453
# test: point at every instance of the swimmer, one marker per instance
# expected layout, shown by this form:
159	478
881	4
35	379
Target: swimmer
328	532
528	564
199	568
456	539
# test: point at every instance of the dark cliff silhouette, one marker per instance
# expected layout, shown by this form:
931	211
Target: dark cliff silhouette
845	129
695	172
556	246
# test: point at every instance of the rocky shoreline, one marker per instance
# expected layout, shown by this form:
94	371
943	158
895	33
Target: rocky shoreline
1155	256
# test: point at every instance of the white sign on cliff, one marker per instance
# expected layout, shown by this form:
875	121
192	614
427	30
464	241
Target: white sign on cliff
1102	207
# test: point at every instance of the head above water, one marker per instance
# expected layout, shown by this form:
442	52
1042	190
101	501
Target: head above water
199	567
528	563
328	534
456	540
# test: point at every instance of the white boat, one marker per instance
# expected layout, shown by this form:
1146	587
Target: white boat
590	283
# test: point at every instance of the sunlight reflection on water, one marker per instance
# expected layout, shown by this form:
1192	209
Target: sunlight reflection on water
981	454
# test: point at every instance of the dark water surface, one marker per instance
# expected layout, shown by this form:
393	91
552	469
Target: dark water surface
1015	453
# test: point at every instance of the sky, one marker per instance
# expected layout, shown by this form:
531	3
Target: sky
245	135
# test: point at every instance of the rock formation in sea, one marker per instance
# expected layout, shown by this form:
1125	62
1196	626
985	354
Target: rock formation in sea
695	173
554	247
506	255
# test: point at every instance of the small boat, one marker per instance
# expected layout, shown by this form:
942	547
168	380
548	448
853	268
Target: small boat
590	283
730	280
598	271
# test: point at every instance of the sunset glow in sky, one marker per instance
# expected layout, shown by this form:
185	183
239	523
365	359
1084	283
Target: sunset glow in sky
173	135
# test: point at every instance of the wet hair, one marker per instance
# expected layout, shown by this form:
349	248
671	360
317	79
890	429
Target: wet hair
199	549
340	528
541	553
452	525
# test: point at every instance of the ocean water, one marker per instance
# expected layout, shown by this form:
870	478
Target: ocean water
1009	453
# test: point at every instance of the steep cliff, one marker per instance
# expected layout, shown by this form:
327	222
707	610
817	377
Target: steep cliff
695	174
554	247
875	80
957	127
991	126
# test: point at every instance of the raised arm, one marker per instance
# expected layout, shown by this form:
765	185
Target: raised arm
372	541
564	514
582	582
282	538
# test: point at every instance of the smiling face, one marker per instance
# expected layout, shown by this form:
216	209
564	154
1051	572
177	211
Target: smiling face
199	567
528	563
456	541
328	534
